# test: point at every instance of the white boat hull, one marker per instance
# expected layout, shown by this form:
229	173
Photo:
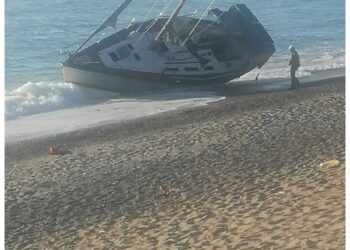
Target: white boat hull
109	82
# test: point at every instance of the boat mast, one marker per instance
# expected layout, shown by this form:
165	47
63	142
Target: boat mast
109	22
171	18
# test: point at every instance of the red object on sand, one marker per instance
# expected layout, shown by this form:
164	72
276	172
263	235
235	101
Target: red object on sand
56	151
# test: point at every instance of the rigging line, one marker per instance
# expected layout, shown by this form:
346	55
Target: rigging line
167	6
148	29
208	26
173	15
184	25
199	20
149	12
153	23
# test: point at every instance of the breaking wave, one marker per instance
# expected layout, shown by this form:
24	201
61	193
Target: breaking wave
39	97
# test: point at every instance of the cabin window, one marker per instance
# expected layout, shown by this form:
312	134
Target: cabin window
113	56
180	52
204	40
191	69
130	46
123	52
207	68
172	69
137	57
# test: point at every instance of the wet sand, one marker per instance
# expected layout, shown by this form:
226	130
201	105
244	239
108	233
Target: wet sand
242	173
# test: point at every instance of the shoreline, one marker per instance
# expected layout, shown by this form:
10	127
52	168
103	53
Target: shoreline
73	138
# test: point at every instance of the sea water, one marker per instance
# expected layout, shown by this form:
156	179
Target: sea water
39	34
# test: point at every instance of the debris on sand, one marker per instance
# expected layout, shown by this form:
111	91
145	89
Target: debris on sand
330	164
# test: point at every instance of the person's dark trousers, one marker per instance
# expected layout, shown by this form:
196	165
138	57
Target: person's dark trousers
294	80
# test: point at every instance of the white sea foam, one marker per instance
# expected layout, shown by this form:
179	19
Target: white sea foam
111	111
32	98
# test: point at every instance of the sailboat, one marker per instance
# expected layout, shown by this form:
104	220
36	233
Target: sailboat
171	50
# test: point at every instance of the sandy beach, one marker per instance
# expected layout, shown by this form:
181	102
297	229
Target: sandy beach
242	173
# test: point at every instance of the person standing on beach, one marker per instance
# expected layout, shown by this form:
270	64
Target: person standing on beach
294	64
